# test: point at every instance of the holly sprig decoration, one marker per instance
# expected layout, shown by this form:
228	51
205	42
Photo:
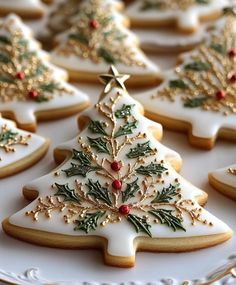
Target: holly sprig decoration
106	189
98	37
9	139
170	4
207	79
23	75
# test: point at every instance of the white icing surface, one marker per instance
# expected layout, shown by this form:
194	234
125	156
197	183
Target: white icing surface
35	142
168	39
121	235
223	176
205	124
185	19
25	111
25	5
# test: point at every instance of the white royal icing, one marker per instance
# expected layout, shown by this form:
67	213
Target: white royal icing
34	143
26	5
25	111
205	124
76	63
187	19
120	235
224	176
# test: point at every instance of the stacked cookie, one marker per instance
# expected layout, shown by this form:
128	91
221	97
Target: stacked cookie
117	187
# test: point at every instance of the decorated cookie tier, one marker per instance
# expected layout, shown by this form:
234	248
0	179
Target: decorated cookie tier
116	189
18	149
185	14
97	40
224	180
62	16
199	95
30	87
28	9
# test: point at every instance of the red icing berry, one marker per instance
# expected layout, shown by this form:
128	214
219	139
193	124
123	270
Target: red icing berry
116	166
93	24
233	78
220	94
232	52
33	94
117	184
20	75
124	209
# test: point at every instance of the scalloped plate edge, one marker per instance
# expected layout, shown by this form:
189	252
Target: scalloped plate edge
224	275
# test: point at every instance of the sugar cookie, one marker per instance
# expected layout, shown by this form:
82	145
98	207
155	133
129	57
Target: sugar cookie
184	14
18	149
30	87
224	180
98	40
199	96
116	190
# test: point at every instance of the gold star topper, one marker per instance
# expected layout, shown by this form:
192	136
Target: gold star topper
112	79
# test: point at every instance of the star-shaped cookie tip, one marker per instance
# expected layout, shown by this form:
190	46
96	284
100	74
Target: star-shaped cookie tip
113	78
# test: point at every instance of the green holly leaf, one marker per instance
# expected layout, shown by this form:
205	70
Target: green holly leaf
80	38
126	129
152	168
147	5
4	78
7	135
82	157
140	224
106	55
197	66
99	192
167	194
68	194
89	222
124	112
219	48
4	58
178	83
49	87
80	169
166	217
99	144
26	55
203	1
5	40
195	102
41	99
97	127
130	191
140	150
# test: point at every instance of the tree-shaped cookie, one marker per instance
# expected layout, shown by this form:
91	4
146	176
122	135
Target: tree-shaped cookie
224	180
200	95
18	149
62	15
30	87
27	9
97	39
116	189
185	14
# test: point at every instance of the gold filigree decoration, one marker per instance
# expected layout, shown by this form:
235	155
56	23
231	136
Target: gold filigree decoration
9	139
23	73
82	201
207	79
